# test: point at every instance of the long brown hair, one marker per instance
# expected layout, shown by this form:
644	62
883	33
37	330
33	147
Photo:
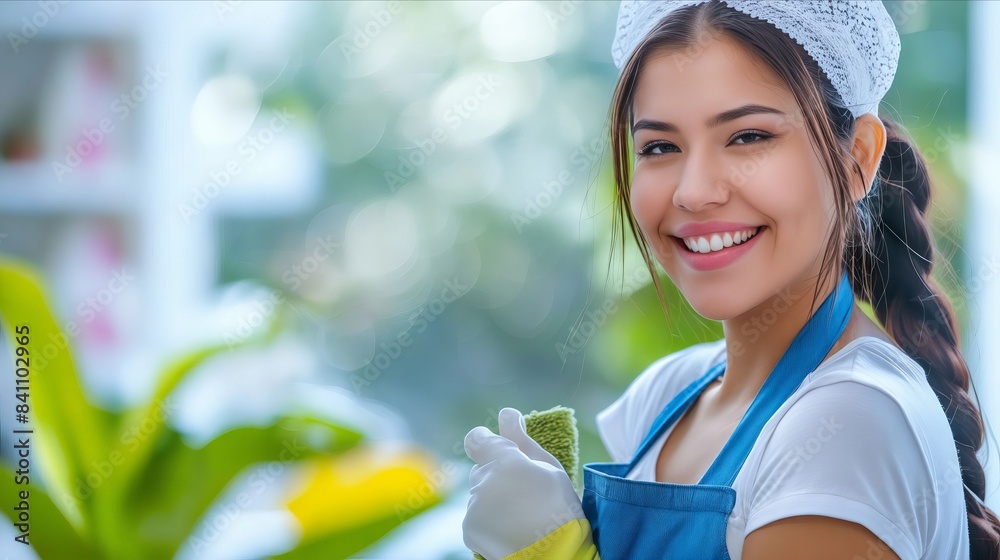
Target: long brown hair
886	232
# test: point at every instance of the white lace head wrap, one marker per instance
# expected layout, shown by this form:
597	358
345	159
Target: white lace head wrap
854	42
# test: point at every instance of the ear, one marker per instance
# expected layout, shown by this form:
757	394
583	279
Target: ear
867	148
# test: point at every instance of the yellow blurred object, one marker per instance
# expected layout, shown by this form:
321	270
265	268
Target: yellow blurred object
365	485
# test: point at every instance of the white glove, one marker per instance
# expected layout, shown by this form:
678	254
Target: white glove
519	492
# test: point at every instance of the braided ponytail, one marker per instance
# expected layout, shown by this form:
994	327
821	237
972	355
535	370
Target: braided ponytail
890	267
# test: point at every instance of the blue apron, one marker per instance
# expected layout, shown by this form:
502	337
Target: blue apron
634	519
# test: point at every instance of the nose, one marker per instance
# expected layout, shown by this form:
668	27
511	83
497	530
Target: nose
701	186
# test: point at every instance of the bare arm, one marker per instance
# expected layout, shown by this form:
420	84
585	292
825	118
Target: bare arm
814	537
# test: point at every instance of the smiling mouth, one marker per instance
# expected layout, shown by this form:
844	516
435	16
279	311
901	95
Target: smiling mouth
715	243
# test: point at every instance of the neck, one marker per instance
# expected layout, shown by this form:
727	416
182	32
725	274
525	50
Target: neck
757	339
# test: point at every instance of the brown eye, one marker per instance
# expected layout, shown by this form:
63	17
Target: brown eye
647	150
753	133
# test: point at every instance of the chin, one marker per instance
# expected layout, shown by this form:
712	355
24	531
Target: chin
716	305
717	310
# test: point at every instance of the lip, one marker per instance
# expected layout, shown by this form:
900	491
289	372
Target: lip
716	259
692	229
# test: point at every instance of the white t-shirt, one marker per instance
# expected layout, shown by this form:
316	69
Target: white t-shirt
863	439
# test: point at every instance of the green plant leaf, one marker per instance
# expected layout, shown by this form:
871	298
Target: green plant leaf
150	413
137	452
49	532
67	434
173	494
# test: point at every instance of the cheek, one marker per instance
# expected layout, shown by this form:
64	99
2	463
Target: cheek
649	199
792	193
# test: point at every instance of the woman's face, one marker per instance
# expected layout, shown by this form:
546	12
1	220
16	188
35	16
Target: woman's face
757	169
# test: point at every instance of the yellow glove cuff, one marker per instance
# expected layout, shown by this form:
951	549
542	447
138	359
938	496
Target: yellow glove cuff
572	541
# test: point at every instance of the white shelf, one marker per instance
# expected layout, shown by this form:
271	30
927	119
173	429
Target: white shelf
32	188
153	165
70	20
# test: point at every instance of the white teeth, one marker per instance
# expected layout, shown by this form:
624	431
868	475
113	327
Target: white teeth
717	242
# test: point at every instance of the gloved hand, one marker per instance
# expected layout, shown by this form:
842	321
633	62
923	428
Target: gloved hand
519	492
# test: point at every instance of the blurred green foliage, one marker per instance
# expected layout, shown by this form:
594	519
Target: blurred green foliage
125	484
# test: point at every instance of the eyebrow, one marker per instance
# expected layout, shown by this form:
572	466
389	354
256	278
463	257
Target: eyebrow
721	118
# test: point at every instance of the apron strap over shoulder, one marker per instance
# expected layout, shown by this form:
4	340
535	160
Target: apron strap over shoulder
810	346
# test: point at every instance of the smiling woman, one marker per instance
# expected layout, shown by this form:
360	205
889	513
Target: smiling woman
762	175
761	169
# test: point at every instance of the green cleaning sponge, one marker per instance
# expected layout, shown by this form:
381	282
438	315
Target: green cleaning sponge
555	430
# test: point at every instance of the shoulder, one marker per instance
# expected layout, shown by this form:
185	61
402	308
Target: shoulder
624	423
888	383
864	440
872	380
